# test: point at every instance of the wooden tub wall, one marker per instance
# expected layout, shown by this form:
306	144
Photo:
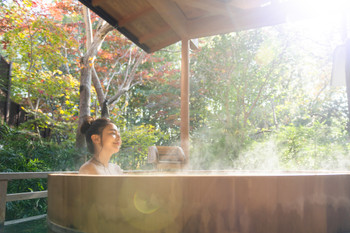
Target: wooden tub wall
206	203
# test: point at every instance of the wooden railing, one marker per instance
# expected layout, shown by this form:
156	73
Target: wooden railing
4	197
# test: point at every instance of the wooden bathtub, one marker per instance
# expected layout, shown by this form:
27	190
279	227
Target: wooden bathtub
200	202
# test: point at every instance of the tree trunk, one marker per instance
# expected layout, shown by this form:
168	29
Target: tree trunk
84	106
275	122
105	109
92	47
85	81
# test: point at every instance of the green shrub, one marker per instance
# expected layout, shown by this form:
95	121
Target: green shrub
22	151
134	149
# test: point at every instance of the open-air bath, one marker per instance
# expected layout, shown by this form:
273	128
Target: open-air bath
200	201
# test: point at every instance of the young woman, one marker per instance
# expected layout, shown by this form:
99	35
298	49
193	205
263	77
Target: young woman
103	140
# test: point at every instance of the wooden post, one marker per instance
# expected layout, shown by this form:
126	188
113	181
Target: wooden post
185	118
347	79
3	192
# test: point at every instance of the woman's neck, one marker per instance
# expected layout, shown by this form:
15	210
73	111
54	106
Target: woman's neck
103	158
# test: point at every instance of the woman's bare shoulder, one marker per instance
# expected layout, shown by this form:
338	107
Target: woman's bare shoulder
116	169
88	168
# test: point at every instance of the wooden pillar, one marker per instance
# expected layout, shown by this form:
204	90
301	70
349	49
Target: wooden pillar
347	79
3	192
185	90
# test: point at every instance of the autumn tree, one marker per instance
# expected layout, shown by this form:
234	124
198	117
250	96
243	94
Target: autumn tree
34	44
115	66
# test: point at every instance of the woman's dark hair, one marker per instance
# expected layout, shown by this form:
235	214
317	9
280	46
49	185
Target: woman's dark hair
93	126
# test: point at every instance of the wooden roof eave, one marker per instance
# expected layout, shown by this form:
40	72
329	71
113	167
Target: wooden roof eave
156	23
115	24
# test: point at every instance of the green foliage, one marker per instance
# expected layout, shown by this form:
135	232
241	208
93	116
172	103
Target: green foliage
24	152
135	143
261	101
37	47
315	146
234	76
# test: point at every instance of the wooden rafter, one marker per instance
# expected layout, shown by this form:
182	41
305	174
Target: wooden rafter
214	25
135	16
153	34
209	6
170	41
252	18
97	2
172	15
249	4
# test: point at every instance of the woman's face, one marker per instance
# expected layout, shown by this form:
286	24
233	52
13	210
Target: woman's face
111	138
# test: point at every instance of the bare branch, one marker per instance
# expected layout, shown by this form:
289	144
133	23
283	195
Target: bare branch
96	43
88	27
115	72
267	77
29	100
37	104
98	87
133	71
117	96
127	69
